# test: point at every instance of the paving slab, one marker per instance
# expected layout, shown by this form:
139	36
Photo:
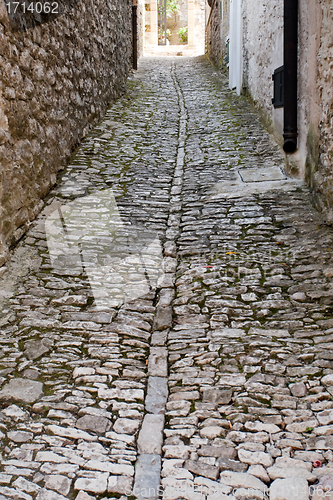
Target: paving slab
19	389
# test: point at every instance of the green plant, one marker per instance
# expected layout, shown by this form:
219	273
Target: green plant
172	7
182	33
168	33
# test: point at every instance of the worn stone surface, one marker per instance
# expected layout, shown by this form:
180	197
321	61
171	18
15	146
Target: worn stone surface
202	469
20	436
216	44
242	480
100	425
82	495
59	483
27	391
147	476
120	484
151	435
45	494
242	397
97	484
156	395
56	75
289	489
158	363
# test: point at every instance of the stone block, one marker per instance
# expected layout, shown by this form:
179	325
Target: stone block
151	435
157	394
147	477
294	488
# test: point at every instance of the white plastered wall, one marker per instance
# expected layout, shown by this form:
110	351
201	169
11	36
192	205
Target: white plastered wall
263	43
264	50
236	46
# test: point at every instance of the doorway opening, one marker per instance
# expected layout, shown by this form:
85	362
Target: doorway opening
172	22
174	27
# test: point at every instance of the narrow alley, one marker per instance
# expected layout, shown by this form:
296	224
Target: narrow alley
166	323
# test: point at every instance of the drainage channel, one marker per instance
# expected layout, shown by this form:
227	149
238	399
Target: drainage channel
150	439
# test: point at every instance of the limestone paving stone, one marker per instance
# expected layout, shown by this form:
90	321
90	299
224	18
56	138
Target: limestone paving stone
82	495
126	426
256	457
245	494
289	489
147	476
281	472
211	472
151	435
20	436
27	391
241	480
120	484
157	362
59	483
97	484
157	393
100	425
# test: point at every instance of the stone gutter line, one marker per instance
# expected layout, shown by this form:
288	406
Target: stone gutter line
150	439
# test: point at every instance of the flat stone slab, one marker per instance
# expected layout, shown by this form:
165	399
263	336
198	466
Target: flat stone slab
228	332
320	443
231	465
45	494
232	189
59	483
261	174
93	423
241	480
34	349
202	469
151	435
217	396
20	436
120	484
157	363
147	476
126	426
84	496
95	485
217	451
163	318
295	488
157	394
21	389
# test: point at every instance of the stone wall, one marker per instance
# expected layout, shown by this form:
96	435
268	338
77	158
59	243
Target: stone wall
310	23
263	53
320	143
213	39
263	49
141	26
58	73
217	33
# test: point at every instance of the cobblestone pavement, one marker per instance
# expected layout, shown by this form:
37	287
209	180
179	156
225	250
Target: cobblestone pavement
166	324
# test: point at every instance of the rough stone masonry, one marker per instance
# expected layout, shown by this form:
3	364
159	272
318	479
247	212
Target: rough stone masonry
58	73
215	382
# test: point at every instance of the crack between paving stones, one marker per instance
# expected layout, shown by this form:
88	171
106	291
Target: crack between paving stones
150	438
